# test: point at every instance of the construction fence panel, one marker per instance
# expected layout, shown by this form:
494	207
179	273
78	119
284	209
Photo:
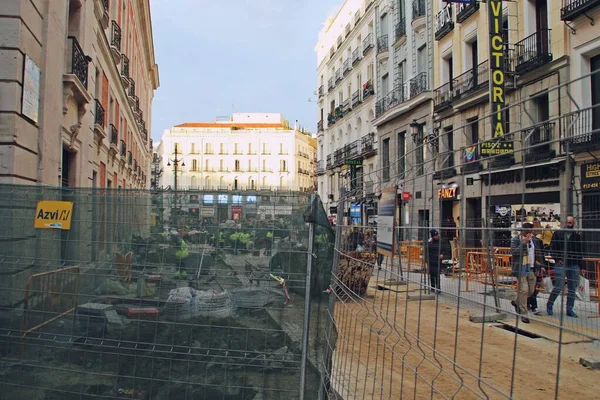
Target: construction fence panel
114	293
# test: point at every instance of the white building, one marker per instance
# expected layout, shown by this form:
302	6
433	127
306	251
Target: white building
346	104
247	151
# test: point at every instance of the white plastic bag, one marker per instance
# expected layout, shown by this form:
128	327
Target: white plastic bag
583	289
548	286
360	248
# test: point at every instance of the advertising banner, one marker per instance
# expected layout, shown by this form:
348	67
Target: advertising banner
590	176
53	215
386	221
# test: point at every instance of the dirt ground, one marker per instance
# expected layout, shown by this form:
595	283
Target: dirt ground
389	347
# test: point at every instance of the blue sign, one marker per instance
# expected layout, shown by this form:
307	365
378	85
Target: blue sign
355	210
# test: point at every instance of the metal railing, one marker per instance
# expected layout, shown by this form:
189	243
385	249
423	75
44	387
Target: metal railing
330	84
355	98
368	89
99	117
582	129
367	43
442	96
114	134
471	81
533	51
320	126
131	89
418	84
321	91
419	8
123	149
129	158
465	10
338	75
538	142
574	8
400	29
115	35
329	161
124	66
346	65
382	44
355	56
78	62
443	22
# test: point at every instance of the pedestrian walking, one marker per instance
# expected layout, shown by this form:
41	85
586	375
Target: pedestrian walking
522	248
567	250
435	256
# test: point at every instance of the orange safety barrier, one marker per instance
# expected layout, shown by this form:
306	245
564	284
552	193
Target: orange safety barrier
479	269
48	297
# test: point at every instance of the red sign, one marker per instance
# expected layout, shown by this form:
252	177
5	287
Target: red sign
236	212
405	196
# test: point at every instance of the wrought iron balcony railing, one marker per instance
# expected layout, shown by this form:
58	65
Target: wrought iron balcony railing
338	75
382	44
123	149
321	167
442	97
320	126
418	9
355	56
356	98
129	157
114	135
443	22
79	62
367	43
368	89
124	66
99	114
321	91
131	90
330	84
465	10
533	51
115	35
471	81
418	84
400	29
106	5
347	66
582	129
538	142
574	8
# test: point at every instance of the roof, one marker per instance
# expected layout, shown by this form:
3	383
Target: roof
227	125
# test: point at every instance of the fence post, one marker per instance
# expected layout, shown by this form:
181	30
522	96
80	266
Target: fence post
306	327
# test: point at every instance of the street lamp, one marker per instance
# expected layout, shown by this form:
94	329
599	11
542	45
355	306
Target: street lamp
177	163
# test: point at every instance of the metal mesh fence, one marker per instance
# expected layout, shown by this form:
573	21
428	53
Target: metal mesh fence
439	317
162	294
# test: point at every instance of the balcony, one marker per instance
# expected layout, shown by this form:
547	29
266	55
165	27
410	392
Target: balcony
445	168
114	135
368	89
443	22
537	143
330	84
367	43
115	41
582	129
442	97
123	150
417	85
465	10
347	67
392	99
125	70
533	51
400	30
129	158
575	8
320	167
367	145
101	11
382	44
99	123
338	75
329	161
356	99
419	9
76	79
471	81
355	56
331	120
320	126
131	92
338	157
345	107
321	91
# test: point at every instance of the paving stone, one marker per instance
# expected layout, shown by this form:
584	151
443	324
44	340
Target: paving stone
590	362
490	317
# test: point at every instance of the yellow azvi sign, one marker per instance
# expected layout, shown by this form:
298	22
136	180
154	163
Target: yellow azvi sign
53	215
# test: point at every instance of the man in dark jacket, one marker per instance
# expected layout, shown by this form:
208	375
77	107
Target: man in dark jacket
434	259
567	250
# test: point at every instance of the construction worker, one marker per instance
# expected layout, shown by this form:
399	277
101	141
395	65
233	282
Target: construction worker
181	253
269	243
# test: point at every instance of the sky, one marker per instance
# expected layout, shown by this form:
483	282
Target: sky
215	57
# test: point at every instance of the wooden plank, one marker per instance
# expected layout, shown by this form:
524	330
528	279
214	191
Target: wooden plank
545	331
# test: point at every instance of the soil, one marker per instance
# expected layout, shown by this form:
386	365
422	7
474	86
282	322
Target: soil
389	347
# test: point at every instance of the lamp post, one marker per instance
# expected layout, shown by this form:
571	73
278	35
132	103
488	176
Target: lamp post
177	163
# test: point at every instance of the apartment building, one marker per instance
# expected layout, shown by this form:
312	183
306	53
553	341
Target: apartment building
489	176
247	151
403	116
346	99
85	68
582	122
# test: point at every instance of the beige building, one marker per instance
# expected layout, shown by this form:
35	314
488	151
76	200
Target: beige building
247	151
77	79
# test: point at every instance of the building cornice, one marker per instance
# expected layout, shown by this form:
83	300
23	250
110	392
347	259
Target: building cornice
143	11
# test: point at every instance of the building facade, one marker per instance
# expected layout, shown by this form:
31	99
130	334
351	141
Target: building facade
346	108
77	82
247	151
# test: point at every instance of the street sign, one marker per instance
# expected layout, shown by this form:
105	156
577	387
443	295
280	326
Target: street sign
353	162
405	196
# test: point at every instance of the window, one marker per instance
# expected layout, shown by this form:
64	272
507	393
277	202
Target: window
402	152
422	59
249	165
385	85
222	149
177	148
420	154
473	131
595	89
265	149
250	148
221	166
370	72
283	166
237	165
193	151
385	162
264	165
236	149
401	73
207	165
208	148
194	165
448	159
281	149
